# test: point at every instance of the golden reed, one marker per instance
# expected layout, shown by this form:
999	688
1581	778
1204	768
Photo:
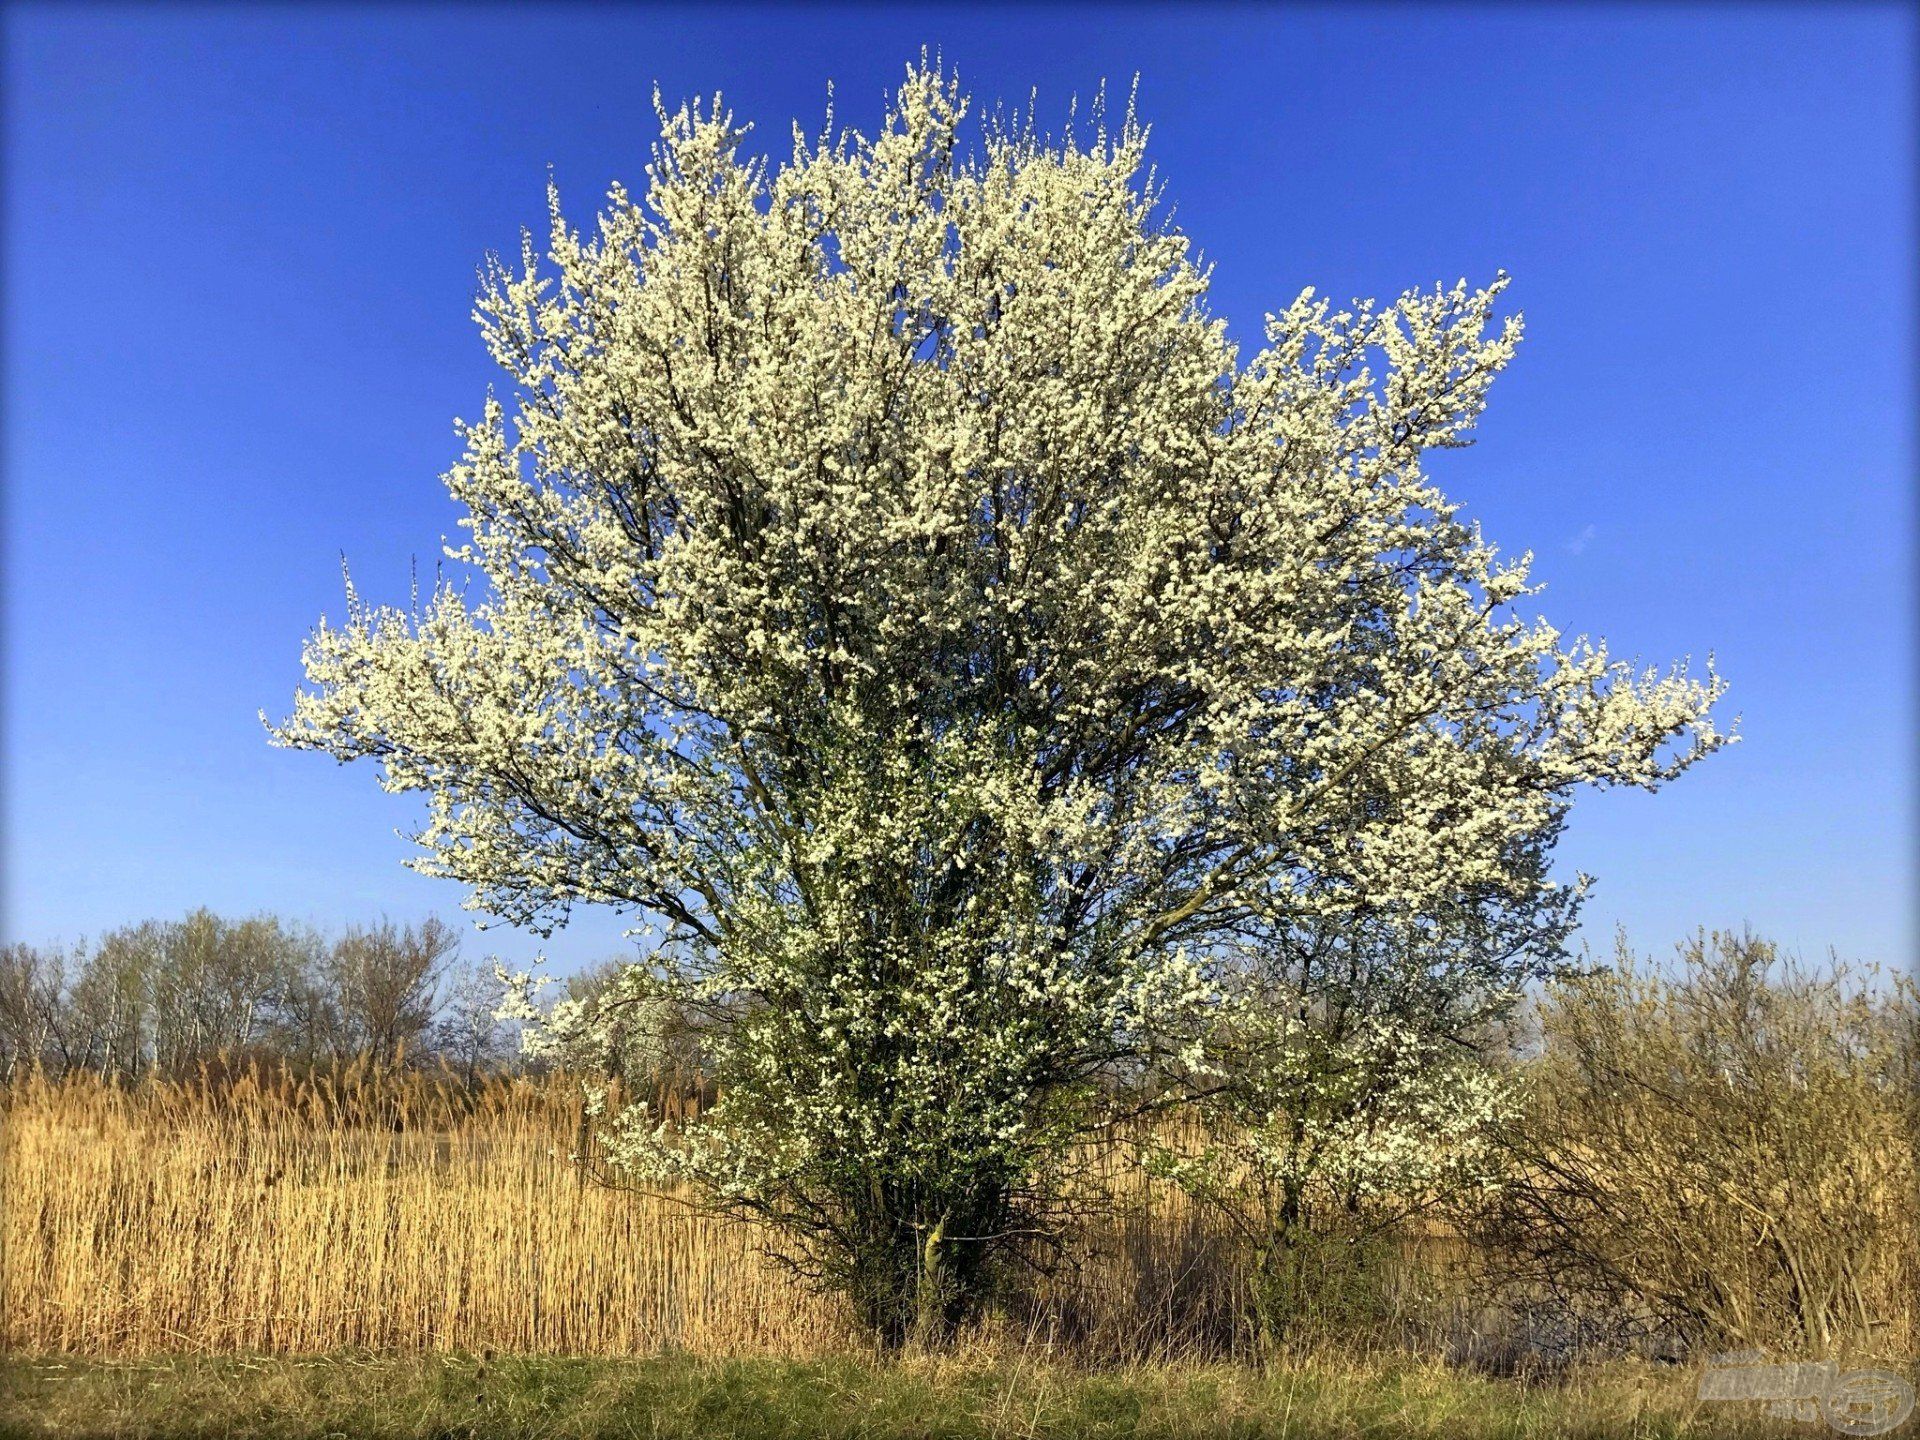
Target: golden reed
253	1210
260	1212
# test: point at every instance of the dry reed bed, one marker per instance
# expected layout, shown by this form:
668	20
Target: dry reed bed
258	1212
264	1214
284	1219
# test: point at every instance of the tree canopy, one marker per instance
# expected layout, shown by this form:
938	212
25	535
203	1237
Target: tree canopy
887	574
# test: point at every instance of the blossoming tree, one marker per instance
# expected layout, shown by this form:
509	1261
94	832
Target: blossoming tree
1347	1088
895	585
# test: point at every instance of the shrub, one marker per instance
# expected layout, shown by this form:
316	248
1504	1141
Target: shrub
1720	1151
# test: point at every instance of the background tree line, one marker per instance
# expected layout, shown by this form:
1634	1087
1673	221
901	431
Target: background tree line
165	997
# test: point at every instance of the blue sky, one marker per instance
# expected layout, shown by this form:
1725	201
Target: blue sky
240	257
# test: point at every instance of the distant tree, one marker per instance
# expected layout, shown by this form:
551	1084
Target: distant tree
215	985
379	990
468	1034
110	1003
168	996
162	995
895	581
32	1002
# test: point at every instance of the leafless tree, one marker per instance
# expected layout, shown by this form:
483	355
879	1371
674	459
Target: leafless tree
32	985
107	1007
383	982
217	985
469	1036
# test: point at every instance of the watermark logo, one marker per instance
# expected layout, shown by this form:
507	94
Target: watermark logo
1853	1402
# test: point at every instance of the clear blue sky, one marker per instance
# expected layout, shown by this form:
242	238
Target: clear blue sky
240	256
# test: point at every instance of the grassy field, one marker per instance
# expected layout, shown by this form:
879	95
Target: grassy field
287	1398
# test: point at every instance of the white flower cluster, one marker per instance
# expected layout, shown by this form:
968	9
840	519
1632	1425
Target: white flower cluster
1388	1114
1345	1084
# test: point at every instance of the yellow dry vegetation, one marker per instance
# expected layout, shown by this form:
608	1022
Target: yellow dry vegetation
280	1215
262	1212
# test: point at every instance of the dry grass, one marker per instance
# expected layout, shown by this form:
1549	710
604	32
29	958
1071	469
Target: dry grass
259	1214
288	1217
263	1214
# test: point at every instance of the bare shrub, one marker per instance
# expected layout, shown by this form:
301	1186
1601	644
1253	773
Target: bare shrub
1721	1151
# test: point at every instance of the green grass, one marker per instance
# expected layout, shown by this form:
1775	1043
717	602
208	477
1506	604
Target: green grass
421	1398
